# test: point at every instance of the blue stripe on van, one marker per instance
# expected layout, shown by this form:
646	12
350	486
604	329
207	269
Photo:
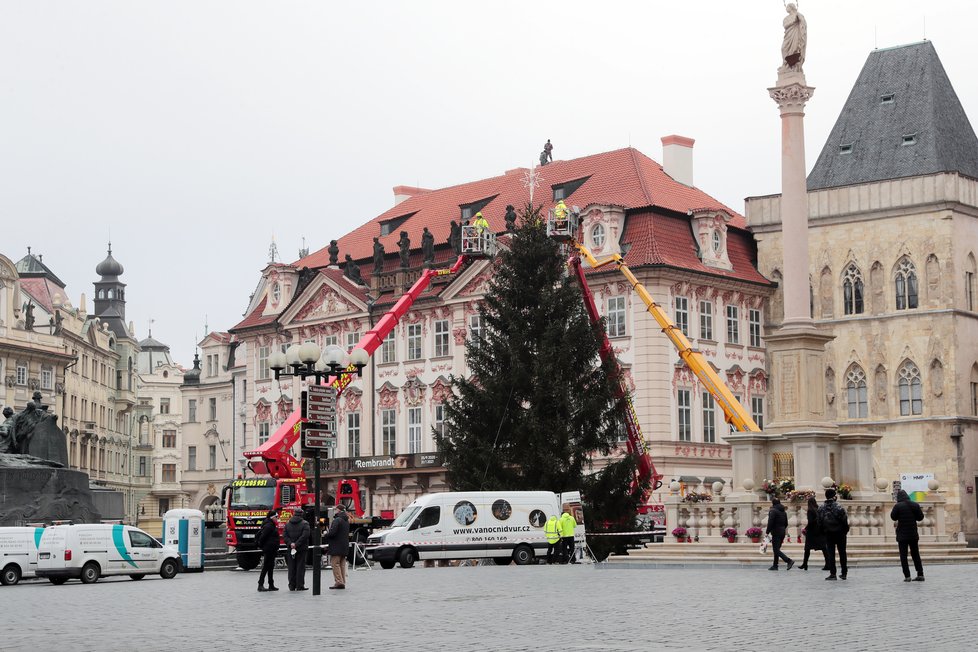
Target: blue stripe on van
38	531
184	540
120	544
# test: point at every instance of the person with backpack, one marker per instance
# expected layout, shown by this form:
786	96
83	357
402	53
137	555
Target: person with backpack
777	527
906	513
834	523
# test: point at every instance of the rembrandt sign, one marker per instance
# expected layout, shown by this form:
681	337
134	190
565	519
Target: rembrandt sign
382	463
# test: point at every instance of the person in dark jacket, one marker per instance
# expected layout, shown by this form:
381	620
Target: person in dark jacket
296	535
268	544
834	523
338	545
777	527
906	513
813	535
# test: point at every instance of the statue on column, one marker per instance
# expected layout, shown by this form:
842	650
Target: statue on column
404	246
795	40
428	246
455	238
334	252
378	257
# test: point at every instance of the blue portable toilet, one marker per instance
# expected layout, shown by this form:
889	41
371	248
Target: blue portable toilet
184	528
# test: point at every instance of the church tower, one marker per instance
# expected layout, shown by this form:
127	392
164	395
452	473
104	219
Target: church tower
110	295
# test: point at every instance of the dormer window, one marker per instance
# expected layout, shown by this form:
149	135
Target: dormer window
909	139
597	236
468	211
717	242
845	148
886	98
389	226
276	292
565	190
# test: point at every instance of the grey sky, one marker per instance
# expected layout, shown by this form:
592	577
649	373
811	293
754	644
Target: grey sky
195	131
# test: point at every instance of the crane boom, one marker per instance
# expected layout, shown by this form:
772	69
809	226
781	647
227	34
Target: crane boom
274	457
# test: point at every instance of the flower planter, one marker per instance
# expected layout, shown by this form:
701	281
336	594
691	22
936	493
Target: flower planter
755	539
732	539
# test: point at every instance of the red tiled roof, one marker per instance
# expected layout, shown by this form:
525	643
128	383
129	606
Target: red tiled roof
255	318
44	292
623	177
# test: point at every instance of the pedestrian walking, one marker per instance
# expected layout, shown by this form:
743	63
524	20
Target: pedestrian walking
906	513
814	539
834	521
567	526
297	533
777	527
268	541
338	545
552	532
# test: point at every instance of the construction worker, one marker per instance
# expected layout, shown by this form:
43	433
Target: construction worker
567	526
560	211
480	223
552	531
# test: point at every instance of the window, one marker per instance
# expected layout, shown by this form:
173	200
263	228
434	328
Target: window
441	338
784	466
414	430
616	317
909	139
974	399
164	406
263	363
389	226
439	422
21	373
388	351
717	241
886	98
565	190
757	410
845	148
276	293
352	339
733	325
856	393
597	236
852	290
911	399
262	432
969	289
353	434
388	432
164	505
192	410
140	539
706	320
685	415
330	340
142	463
906	285
414	342
475	329
212	405
192	458
709	419
169	473
169	439
47	379
212	457
682	314
754	327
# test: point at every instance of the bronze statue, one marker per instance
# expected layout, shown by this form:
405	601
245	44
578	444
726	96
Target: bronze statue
352	271
404	245
29	316
6	431
378	257
428	246
511	217
455	238
334	253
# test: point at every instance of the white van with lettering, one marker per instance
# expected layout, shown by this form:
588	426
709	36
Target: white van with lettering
501	525
18	553
88	552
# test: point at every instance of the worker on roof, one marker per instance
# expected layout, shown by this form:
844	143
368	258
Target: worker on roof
552	531
480	223
561	211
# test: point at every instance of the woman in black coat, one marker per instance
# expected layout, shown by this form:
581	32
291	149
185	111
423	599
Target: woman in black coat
906	513
814	539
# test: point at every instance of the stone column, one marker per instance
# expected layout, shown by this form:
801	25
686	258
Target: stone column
857	463
749	459
811	453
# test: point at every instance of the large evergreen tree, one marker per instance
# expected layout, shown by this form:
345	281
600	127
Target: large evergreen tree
539	406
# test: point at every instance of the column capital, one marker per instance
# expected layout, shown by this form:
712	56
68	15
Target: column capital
792	97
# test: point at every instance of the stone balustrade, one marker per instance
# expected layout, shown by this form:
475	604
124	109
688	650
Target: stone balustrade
869	519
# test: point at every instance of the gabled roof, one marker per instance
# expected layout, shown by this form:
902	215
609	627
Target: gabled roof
901	91
624	177
32	266
45	292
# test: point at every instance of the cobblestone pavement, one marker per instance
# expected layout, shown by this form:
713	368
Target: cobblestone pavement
538	608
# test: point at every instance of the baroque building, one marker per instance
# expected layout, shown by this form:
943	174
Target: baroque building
692	253
893	233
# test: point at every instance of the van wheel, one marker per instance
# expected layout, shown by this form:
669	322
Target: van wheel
136	577
169	569
523	555
58	581
90	573
247	560
502	561
11	575
387	565
407	557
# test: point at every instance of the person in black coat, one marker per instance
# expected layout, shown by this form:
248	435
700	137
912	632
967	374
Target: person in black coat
777	527
814	540
833	521
268	544
338	546
906	513
297	532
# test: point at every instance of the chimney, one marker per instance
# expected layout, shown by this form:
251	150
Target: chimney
677	158
406	192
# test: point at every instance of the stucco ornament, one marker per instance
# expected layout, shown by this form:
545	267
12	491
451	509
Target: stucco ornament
795	40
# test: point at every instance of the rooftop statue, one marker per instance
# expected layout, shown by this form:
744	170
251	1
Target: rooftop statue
795	40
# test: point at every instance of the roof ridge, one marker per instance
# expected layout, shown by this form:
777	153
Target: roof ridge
641	177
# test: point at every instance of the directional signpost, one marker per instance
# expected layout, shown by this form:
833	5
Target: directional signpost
319	430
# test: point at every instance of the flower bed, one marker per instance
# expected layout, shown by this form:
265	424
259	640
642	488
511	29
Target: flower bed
799	496
694	497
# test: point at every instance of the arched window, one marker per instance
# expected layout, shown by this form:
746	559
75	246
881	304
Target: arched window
856	394
597	235
911	395
970	298
906	285
852	290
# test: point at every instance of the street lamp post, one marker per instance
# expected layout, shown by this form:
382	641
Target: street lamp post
307	361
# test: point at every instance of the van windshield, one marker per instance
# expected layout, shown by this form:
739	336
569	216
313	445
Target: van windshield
253	497
406	517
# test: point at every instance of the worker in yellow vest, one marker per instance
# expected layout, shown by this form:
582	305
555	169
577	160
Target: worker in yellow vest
480	223
552	530
567	525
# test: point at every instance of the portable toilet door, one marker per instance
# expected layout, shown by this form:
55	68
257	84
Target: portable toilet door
184	528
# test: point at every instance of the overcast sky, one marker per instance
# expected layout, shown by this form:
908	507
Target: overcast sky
192	133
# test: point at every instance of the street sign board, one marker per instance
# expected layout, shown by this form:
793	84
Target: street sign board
318	436
320	403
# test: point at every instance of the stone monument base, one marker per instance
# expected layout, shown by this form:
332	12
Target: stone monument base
42	494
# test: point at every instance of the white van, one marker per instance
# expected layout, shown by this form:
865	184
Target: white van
501	525
88	552
18	553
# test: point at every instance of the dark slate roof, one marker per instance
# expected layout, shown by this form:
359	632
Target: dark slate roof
151	344
924	103
30	266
